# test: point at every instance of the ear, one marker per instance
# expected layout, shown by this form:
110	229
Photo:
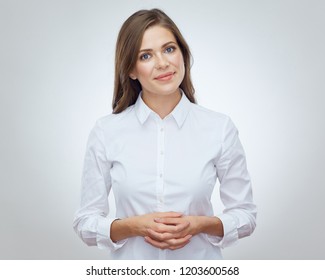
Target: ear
132	76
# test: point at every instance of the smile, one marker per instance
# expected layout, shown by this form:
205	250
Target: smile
165	77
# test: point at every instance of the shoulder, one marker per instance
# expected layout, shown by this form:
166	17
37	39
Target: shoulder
209	117
115	121
217	124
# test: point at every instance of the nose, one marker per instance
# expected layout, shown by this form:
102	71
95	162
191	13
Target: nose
161	62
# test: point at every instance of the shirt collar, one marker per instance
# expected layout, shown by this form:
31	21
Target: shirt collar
141	109
179	113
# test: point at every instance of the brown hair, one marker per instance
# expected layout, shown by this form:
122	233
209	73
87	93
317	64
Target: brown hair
128	44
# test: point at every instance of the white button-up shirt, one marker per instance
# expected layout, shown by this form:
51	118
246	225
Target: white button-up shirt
158	165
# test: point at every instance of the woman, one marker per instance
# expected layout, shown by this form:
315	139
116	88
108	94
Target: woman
161	154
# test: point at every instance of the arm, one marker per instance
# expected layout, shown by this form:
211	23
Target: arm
239	215
91	222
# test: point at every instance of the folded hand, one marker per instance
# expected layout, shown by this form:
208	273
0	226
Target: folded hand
172	232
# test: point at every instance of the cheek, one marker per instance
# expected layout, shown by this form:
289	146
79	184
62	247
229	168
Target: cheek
144	71
179	63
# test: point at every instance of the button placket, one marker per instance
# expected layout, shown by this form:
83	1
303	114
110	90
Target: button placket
160	165
160	174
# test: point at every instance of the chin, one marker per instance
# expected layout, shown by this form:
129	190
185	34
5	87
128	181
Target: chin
168	91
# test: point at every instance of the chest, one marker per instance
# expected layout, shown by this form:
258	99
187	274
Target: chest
165	159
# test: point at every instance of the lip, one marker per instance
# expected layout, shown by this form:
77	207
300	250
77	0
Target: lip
165	77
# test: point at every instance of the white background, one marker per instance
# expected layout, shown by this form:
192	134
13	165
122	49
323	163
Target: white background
261	62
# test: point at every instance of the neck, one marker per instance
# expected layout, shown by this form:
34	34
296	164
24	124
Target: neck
162	104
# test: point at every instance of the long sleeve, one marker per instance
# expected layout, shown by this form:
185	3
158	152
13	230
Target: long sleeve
239	215
91	222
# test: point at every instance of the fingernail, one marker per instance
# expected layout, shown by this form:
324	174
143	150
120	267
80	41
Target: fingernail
157	219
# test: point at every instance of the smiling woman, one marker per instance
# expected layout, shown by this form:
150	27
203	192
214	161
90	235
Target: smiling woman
161	154
132	45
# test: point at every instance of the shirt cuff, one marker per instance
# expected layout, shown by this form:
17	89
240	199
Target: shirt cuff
104	240
230	232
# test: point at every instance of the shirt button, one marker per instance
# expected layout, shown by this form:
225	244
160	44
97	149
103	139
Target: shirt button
162	129
161	152
160	175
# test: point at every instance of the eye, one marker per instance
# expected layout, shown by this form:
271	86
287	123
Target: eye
145	56
170	49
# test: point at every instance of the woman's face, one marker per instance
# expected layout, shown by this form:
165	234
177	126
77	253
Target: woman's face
160	66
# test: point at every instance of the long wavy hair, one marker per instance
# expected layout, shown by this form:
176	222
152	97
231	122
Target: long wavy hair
126	90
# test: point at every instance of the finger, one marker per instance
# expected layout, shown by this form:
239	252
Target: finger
170	214
177	224
178	247
169	220
179	241
174	241
172	244
155	243
160	227
161	236
167	232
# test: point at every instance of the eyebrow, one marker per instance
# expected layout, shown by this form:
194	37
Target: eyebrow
164	45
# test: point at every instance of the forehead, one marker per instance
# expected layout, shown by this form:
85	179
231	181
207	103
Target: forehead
156	36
